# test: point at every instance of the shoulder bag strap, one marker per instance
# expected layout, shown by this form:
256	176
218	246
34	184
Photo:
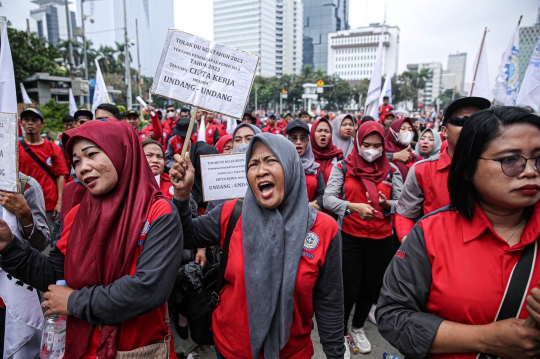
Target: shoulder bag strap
517	287
37	160
235	215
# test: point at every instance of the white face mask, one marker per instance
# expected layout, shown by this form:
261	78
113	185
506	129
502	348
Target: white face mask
369	155
170	114
405	138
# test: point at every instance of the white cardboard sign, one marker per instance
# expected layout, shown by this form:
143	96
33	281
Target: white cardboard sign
223	176
8	152
205	74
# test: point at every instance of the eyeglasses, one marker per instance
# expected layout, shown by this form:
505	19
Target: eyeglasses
295	138
458	120
514	165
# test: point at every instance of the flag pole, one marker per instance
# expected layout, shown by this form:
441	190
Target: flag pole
188	136
478	62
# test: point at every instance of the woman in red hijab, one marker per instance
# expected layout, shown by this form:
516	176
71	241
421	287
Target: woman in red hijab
224	145
119	249
326	153
156	159
397	145
363	190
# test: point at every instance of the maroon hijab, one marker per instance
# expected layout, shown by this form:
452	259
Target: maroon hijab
370	173
324	155
104	234
392	145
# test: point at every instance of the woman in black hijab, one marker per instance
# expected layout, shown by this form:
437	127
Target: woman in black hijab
284	261
197	150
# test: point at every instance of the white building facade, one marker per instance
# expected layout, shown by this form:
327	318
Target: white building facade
351	53
270	29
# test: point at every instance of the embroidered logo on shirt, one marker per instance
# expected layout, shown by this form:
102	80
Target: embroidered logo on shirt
400	254
171	190
145	228
49	161
311	242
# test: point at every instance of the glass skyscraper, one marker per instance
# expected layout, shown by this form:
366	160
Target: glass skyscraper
322	17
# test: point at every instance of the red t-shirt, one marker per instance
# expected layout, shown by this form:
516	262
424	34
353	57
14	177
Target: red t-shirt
384	110
471	266
212	132
355	192
230	319
138	331
274	130
51	155
165	186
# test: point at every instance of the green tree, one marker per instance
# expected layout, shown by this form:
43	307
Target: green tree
446	97
53	112
31	55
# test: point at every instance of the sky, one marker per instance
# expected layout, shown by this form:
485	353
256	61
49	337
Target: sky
430	29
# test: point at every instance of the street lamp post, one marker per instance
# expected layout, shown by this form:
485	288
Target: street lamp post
138	57
70	45
126	60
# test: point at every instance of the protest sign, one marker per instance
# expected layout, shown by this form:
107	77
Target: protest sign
8	152
223	176
205	74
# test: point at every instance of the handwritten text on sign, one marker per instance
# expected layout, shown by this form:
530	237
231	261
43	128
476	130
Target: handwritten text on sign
205	74
223	176
8	152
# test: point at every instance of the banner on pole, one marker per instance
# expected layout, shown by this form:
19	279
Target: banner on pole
8	152
223	176
205	74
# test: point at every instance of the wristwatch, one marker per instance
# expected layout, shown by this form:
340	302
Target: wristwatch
348	211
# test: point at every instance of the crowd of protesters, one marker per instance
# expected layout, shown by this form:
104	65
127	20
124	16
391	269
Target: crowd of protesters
426	226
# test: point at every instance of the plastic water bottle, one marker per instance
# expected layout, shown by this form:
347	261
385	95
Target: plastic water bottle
53	341
390	356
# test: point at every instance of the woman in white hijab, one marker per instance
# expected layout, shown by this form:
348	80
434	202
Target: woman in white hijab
342	133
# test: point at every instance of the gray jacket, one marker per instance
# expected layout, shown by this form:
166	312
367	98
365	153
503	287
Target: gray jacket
40	237
333	203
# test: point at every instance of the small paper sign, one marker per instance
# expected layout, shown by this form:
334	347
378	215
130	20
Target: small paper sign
223	176
8	152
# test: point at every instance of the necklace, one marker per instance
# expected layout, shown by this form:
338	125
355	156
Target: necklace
515	230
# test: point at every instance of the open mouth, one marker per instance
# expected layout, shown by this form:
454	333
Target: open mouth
90	181
323	140
299	149
424	148
266	188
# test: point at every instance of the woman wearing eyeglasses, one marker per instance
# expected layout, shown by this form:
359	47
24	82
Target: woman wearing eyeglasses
467	271
298	134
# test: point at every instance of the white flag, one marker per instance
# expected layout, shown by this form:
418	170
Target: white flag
231	125
100	91
387	90
201	135
529	93
480	85
506	83
24	317
8	96
72	104
25	98
374	91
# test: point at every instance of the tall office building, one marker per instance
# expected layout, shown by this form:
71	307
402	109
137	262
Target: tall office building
268	28
351	53
454	75
51	20
434	85
528	36
322	17
107	27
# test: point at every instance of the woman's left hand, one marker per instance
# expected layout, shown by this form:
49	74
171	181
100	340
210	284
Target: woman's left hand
383	202
57	299
533	304
315	205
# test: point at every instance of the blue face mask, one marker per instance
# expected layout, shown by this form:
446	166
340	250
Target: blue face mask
241	147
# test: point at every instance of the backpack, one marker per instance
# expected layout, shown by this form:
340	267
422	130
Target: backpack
198	307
